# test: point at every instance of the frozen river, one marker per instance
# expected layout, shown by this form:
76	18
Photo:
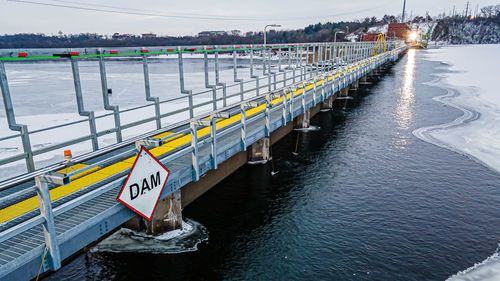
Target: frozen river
43	95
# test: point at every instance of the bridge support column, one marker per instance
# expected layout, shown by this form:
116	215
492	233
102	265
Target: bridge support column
303	121
328	103
167	215
260	150
344	92
354	85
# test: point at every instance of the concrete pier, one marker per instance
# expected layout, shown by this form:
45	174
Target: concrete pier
328	103
303	121
344	92
259	151
167	215
354	86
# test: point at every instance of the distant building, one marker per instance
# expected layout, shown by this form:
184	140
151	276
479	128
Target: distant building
118	36
148	35
398	30
211	33
370	36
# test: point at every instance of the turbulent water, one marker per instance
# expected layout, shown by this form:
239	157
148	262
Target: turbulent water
177	241
362	199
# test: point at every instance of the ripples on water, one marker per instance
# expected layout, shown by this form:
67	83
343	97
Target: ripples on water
362	200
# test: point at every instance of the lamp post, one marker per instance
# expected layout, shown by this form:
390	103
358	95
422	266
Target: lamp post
335	37
269	25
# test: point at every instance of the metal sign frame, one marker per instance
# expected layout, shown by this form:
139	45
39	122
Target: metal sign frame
128	177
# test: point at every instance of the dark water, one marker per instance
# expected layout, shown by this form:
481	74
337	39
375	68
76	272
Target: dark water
363	200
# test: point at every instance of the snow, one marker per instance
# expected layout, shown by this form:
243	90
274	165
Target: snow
43	96
470	32
487	270
471	87
378	29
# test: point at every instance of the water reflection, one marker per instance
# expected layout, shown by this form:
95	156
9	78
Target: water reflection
404	110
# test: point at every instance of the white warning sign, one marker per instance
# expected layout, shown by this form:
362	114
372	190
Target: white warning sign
144	184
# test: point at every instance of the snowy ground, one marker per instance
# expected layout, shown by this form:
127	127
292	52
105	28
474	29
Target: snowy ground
43	95
472	88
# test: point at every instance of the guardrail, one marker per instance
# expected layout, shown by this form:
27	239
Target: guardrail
280	64
278	106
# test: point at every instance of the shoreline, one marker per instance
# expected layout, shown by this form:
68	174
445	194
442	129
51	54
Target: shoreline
441	134
468	115
489	267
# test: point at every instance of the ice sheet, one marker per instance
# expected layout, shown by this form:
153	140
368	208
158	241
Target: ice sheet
471	87
487	270
43	96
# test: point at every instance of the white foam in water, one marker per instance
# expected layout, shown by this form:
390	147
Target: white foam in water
182	240
472	88
308	129
186	228
258	162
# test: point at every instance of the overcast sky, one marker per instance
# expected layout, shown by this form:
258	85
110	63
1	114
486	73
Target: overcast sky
188	17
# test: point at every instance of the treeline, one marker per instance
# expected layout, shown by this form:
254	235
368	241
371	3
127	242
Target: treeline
484	28
320	32
459	29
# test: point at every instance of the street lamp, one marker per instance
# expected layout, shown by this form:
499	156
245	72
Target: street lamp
269	25
335	37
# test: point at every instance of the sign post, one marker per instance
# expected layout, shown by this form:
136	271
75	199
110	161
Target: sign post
144	184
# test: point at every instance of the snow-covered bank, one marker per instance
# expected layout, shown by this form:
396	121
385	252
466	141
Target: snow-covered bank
471	87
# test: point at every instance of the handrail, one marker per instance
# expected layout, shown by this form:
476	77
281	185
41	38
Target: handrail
281	99
359	49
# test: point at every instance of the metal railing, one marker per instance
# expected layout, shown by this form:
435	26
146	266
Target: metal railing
281	65
277	106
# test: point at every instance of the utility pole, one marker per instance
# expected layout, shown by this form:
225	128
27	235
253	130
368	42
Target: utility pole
335	36
467	9
403	15
265	31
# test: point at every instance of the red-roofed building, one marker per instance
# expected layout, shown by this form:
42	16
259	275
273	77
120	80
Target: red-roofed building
370	36
398	30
